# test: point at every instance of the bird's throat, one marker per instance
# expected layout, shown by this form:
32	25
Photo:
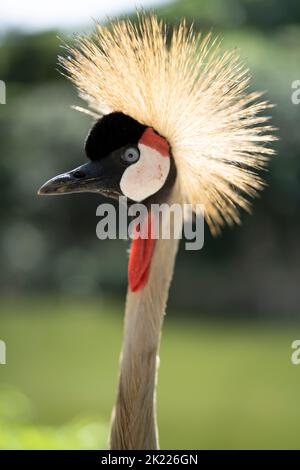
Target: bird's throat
134	418
141	255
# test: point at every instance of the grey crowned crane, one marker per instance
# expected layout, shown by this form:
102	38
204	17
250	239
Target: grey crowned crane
174	123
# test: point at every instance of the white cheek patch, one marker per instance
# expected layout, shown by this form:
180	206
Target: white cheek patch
147	176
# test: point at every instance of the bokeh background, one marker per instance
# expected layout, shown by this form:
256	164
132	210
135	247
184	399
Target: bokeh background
226	380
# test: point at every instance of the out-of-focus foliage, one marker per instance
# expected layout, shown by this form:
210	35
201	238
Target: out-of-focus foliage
50	244
25	58
265	15
18	431
222	385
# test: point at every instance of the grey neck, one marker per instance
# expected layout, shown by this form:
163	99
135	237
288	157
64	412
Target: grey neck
134	418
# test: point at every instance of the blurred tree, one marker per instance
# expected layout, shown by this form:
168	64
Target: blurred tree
266	14
29	58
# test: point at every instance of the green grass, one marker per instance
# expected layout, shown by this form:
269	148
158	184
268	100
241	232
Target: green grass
220	386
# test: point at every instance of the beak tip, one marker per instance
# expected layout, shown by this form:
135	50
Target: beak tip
51	187
42	191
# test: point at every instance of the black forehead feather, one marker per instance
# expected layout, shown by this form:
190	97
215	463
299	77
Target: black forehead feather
111	132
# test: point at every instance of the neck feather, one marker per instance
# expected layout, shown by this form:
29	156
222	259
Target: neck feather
134	417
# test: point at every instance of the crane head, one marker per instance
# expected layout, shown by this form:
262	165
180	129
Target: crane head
126	158
184	115
183	109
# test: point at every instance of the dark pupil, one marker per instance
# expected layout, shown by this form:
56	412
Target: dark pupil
131	155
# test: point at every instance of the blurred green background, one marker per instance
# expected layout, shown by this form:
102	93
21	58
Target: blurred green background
226	380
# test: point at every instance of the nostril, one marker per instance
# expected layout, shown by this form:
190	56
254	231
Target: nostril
79	174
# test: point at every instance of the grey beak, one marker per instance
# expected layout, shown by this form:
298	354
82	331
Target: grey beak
85	178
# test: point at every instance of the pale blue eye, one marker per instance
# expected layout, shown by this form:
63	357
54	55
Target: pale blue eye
131	155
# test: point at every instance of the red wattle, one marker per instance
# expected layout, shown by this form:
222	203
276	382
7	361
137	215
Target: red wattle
140	259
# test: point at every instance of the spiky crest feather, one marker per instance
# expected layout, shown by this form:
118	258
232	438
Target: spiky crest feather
189	92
